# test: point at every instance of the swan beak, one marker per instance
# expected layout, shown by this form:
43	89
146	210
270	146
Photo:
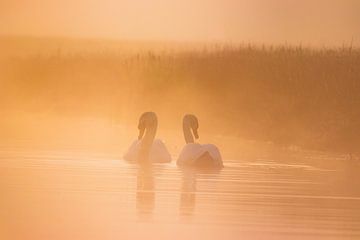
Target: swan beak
141	133
196	133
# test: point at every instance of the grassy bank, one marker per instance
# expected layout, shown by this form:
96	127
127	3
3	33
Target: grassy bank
286	95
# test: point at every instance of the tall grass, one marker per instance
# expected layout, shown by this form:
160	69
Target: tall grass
284	94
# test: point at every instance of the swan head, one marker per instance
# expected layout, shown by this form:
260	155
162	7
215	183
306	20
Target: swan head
190	121
148	120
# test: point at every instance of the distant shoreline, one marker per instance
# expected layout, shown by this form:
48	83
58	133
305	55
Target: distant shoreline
287	95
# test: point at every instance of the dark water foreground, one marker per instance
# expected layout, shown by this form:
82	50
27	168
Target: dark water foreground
84	194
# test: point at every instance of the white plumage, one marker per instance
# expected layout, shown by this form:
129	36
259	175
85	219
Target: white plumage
146	149
158	152
195	154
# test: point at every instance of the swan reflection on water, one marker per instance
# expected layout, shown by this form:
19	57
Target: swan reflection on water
189	189
187	192
145	192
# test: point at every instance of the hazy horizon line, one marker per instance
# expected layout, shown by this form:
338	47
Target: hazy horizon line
346	44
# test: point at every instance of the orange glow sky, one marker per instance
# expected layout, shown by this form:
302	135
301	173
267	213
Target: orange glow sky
324	22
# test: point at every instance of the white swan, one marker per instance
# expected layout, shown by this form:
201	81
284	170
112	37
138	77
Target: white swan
195	154
146	149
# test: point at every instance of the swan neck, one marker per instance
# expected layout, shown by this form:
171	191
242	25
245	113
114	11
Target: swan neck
147	141
189	138
150	133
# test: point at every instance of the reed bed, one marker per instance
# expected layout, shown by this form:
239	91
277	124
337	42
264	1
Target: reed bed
290	95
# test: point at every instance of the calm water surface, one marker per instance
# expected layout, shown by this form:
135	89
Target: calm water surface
80	193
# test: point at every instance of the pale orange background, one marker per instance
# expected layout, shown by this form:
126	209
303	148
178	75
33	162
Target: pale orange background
319	22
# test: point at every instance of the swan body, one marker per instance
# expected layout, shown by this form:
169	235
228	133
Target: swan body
195	154
200	155
158	152
147	149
